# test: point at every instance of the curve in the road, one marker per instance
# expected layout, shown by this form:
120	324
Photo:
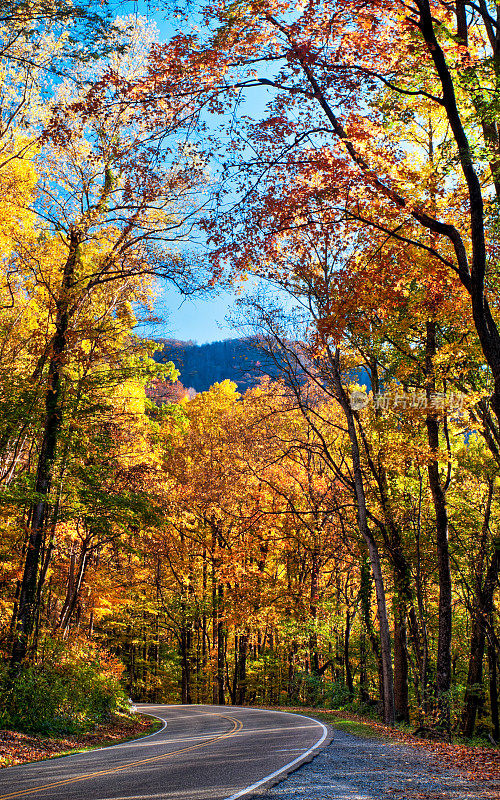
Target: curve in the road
268	779
240	758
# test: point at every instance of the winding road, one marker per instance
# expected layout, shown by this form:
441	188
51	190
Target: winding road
201	753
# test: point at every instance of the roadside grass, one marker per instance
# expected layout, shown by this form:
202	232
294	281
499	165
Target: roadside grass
21	748
343	720
357	728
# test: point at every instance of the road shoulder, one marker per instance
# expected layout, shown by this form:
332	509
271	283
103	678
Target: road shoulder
377	761
23	748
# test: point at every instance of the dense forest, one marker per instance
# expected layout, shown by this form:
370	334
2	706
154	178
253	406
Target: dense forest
325	535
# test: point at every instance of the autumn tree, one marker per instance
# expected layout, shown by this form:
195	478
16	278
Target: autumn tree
336	56
113	188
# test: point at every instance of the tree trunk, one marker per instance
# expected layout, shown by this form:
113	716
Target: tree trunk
220	648
313	611
461	15
292	652
495	720
242	658
364	693
443	661
347	662
483	607
26	611
400	663
365	597
74	586
385	637
204	628
403	604
185	642
215	687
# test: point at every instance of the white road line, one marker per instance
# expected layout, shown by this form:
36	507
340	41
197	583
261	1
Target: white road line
131	741
100	749
290	764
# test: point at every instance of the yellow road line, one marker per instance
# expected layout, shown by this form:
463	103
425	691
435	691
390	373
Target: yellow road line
237	726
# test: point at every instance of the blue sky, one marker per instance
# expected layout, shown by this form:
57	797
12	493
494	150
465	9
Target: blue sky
198	318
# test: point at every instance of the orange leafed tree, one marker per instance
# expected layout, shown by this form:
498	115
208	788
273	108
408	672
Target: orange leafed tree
349	85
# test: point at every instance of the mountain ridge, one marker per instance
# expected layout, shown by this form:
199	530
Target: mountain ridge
201	365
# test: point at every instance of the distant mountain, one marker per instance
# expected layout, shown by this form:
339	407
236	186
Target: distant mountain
201	365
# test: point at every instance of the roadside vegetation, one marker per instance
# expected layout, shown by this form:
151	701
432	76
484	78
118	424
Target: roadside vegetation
21	748
67	690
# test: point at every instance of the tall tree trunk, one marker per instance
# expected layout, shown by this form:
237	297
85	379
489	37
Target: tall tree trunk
424	705
365	592
400	662
385	636
74	588
483	606
26	611
443	661
347	662
242	658
215	615
364	693
313	611
185	642
495	719
292	652
403	604
204	628
220	647
236	672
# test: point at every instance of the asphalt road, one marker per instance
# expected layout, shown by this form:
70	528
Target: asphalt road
202	753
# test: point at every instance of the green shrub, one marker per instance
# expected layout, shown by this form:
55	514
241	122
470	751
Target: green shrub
69	690
338	695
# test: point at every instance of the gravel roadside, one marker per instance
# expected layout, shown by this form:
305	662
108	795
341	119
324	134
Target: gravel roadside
354	768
